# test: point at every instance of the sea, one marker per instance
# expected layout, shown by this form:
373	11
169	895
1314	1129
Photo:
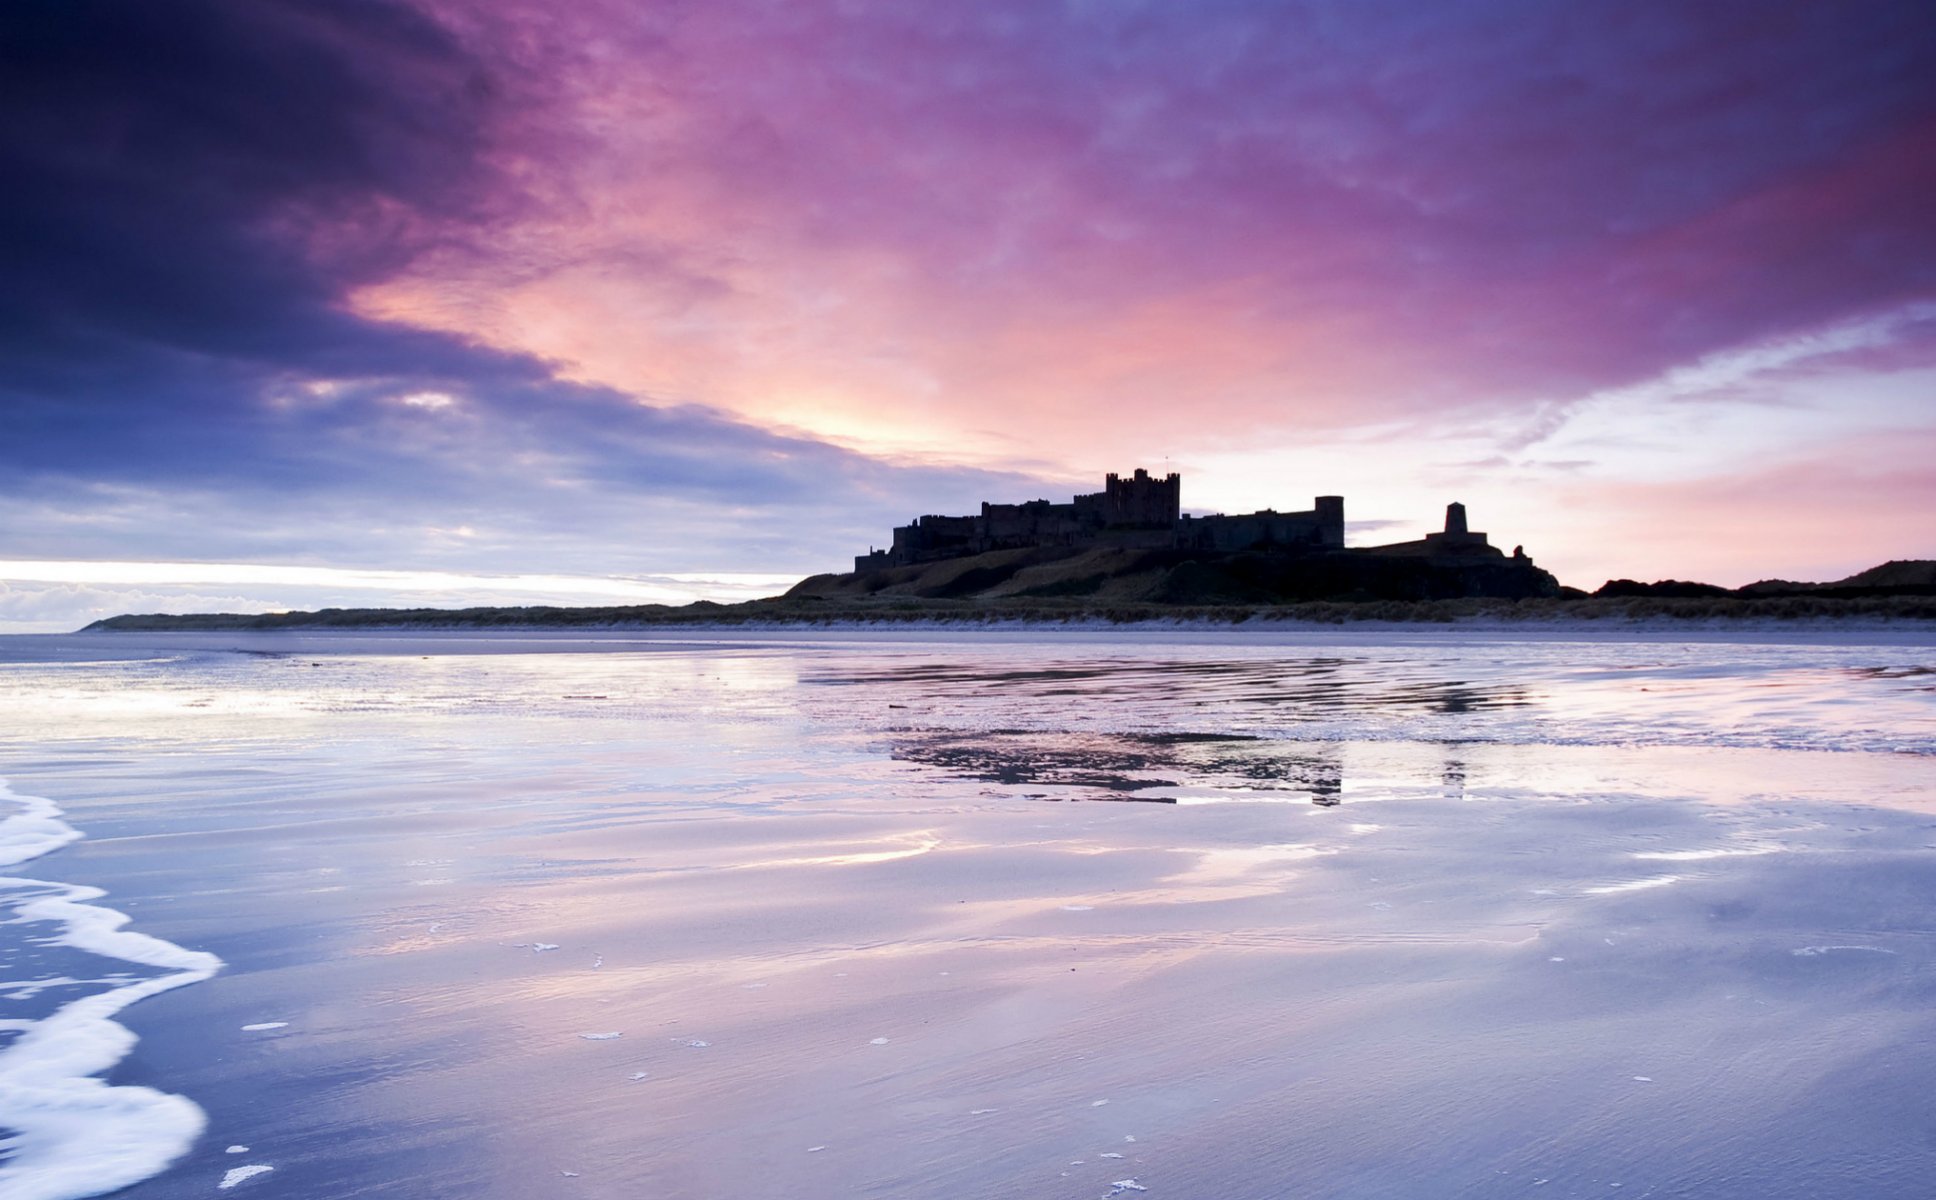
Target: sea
1234	914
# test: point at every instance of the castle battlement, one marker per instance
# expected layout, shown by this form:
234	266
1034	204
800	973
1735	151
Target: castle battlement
1234	557
1145	511
1138	509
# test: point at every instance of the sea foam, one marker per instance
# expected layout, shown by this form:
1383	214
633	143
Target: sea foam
72	1134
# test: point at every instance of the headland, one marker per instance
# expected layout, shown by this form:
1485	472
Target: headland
1130	554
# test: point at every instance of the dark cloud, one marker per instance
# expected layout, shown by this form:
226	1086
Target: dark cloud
205	176
192	188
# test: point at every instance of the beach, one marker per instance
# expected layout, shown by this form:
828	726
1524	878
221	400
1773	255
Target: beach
1185	913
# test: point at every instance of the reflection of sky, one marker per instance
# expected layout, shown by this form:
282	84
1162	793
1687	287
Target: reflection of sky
1407	688
445	872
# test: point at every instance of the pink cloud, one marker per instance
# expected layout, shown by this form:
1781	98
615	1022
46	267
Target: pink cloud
963	218
1064	242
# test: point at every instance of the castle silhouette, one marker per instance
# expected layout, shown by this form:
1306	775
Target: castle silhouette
1145	511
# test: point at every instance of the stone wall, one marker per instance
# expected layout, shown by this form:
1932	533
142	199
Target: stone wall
1140	510
1037	523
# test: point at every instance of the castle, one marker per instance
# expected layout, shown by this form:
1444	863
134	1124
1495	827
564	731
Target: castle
1144	511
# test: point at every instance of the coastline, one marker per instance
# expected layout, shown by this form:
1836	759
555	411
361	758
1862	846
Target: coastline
420	640
787	614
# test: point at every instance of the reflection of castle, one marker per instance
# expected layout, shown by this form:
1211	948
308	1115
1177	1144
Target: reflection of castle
1145	511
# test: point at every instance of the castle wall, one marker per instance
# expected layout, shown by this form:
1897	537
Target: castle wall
1037	523
1322	528
1141	510
1250	531
933	537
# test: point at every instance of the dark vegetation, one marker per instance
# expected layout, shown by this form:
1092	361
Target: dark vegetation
1119	575
1149	586
810	612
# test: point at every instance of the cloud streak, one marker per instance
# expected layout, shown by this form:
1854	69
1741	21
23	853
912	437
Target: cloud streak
607	287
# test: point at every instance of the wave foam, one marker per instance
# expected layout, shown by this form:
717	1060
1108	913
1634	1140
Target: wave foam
74	1135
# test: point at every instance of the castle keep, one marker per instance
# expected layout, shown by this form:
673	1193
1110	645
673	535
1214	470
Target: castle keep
1141	510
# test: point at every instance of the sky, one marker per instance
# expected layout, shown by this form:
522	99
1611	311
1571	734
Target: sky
376	302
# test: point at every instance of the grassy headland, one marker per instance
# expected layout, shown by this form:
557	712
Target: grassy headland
1092	588
782	611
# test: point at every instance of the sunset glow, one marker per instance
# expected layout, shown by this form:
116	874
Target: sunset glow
614	290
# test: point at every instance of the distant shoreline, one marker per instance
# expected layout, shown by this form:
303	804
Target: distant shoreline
796	613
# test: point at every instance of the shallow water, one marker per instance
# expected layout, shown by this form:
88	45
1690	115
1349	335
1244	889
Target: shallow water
1352	915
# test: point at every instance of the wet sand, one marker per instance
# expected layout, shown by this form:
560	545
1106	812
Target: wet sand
914	919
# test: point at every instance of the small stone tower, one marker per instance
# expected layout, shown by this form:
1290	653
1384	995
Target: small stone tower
1330	513
1458	538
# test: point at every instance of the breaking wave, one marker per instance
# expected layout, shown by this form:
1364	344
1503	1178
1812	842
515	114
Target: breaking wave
65	1132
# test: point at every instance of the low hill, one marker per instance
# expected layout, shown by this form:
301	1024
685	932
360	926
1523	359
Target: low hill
1123	575
1899	577
1123	585
1897	573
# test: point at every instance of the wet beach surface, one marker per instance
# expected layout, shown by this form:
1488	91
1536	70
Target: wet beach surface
1356	916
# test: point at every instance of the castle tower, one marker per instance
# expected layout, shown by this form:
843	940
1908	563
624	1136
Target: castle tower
1330	512
1458	538
1142	500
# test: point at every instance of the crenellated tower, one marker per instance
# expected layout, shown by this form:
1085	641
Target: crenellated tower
1142	501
